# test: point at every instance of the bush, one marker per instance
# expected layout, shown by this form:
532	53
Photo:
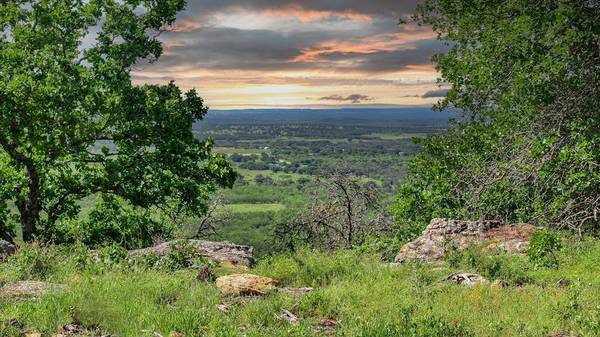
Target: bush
181	255
112	255
543	248
510	270
33	262
113	222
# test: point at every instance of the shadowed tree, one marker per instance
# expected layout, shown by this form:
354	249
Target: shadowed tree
72	124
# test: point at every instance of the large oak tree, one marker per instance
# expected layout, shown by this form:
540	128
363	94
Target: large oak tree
72	124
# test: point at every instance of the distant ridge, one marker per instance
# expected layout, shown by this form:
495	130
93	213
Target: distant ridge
416	114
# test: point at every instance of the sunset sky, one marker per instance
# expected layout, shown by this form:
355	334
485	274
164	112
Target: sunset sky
299	54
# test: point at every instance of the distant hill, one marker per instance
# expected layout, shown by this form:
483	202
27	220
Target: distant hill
360	115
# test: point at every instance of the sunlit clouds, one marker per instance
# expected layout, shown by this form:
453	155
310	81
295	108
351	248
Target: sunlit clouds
269	54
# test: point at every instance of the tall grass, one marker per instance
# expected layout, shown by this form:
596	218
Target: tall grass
364	296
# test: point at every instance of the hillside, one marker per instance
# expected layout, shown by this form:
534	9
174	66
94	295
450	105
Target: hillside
355	294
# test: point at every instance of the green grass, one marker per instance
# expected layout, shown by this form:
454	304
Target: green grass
254	208
238	150
366	297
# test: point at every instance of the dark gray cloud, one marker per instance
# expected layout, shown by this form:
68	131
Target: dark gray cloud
374	7
354	98
436	93
237	49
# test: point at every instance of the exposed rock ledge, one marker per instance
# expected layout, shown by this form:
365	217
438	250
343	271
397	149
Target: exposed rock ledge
443	233
224	252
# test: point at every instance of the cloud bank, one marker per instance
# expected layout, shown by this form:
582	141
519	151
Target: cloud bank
282	51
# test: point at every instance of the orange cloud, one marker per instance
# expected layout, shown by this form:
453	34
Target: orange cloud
184	26
366	45
312	15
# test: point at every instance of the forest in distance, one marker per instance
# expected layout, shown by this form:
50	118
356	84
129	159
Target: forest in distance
277	153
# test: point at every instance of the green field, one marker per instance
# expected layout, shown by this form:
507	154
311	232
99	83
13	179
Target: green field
253	208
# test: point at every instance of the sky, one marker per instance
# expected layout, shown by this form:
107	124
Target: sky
241	54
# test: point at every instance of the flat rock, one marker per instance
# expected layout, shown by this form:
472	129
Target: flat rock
223	252
245	285
444	233
295	291
468	279
29	289
6	248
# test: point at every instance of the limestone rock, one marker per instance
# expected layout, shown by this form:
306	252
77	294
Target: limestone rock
245	285
29	289
295	291
224	252
466	279
6	248
443	233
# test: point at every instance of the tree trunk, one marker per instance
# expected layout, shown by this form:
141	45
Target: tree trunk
29	207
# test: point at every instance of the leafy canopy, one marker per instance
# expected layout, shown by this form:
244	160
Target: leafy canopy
526	76
72	124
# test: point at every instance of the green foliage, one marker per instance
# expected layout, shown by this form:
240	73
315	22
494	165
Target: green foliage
73	124
543	248
111	255
33	262
181	255
525	75
494	266
408	325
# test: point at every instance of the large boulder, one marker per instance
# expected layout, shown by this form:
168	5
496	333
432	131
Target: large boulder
444	233
6	249
245	285
224	252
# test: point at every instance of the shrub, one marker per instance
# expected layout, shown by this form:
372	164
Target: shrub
112	254
543	248
181	255
510	270
33	262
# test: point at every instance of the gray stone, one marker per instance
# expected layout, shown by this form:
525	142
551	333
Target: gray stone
223	252
29	289
6	248
467	279
444	233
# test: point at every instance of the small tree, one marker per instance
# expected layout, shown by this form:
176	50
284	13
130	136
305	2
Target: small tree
72	124
344	210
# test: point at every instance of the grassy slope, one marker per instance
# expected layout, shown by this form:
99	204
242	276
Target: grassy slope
367	297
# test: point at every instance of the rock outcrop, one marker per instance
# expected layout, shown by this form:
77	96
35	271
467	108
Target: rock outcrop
6	249
29	289
444	233
245	285
224	252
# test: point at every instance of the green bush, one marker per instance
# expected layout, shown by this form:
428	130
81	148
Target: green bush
111	255
33	262
543	248
510	270
181	255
